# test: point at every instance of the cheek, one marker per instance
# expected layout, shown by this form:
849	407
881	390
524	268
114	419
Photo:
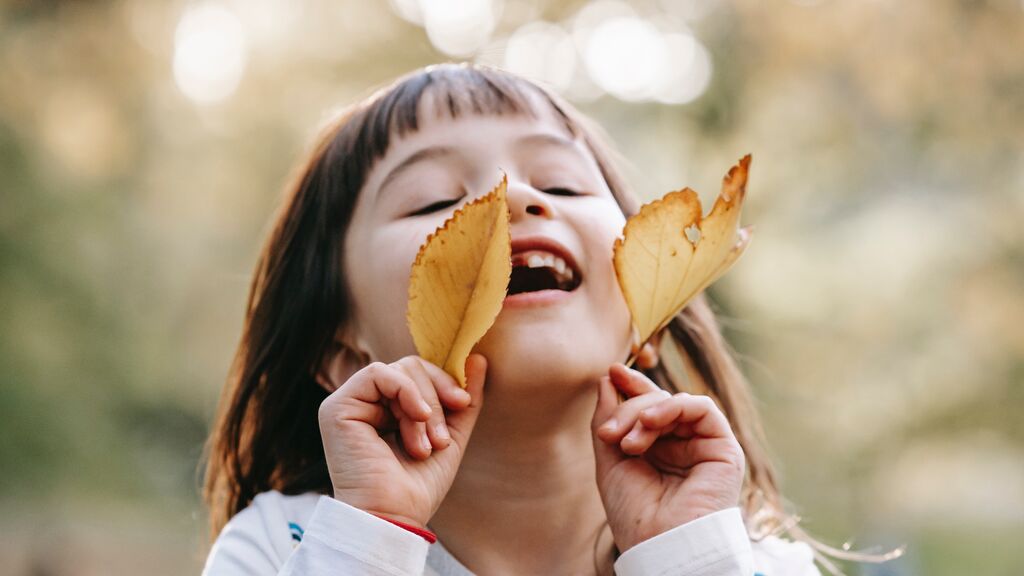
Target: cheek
378	269
599	232
606	298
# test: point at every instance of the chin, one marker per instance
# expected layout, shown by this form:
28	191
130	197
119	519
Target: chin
520	358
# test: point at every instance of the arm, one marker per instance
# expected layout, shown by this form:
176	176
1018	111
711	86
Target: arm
670	472
363	423
339	539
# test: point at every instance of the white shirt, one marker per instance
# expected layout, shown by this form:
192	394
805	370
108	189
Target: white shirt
316	535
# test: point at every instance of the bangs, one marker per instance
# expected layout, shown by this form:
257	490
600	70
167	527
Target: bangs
455	91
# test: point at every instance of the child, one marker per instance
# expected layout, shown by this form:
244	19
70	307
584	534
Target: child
337	450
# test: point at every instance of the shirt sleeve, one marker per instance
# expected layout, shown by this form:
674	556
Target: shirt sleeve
339	539
713	545
716	545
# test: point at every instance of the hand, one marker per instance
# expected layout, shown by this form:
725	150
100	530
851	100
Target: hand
662	459
392	447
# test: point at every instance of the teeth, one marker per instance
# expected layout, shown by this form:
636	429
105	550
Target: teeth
544	259
560	265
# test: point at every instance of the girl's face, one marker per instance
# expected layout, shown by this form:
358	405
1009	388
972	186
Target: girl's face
555	193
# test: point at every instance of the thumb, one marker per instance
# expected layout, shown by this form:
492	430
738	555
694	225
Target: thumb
462	422
605	455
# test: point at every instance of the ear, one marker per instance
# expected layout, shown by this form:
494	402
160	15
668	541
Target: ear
340	362
649	357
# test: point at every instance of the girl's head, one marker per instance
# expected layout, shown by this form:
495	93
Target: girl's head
331	283
469	127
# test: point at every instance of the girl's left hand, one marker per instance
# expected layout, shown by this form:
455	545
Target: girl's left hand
662	459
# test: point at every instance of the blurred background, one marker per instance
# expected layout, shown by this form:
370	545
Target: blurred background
878	310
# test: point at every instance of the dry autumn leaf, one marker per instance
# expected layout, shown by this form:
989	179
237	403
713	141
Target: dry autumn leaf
459	281
668	253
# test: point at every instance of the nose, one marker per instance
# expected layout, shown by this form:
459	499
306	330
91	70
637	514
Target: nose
524	200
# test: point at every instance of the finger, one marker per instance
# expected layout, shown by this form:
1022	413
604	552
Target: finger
605	404
639	439
378	381
685	455
624	415
461	423
663	413
683	431
437	431
605	455
630	382
699	411
397	412
451	395
438	434
357	411
414	438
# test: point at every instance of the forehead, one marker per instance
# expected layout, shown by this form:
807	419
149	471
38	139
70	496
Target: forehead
436	123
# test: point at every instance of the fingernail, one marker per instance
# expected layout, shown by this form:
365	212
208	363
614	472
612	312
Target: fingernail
633	436
425	442
442	431
425	407
462	394
610	425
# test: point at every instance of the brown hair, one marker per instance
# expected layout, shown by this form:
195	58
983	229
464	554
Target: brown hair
266	435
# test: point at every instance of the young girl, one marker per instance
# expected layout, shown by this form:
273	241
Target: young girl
337	450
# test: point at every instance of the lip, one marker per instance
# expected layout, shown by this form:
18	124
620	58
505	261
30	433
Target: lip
549	244
538	298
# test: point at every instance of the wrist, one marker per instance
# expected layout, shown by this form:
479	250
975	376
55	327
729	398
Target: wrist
399	519
403	520
422	532
641	533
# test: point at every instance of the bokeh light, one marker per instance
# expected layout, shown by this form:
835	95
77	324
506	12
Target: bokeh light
687	72
209	53
632	59
459	28
543	52
626	57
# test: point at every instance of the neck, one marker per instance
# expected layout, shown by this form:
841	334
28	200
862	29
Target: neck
525	500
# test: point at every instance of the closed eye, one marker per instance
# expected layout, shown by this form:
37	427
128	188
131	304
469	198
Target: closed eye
562	191
439	205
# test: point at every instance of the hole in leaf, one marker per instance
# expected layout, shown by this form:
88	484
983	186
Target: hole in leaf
692	233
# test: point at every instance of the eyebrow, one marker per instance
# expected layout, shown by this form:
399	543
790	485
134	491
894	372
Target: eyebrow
429	153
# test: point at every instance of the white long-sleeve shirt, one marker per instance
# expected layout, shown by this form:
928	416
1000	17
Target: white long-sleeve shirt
316	535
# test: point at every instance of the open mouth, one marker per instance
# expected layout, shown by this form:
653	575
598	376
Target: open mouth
536	270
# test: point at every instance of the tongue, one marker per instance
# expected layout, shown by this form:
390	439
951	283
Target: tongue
531	280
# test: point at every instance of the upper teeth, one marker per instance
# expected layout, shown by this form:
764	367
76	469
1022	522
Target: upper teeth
541	259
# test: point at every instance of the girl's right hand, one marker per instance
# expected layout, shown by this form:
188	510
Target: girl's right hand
391	448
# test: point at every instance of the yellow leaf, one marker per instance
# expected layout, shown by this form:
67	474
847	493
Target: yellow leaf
459	281
668	253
